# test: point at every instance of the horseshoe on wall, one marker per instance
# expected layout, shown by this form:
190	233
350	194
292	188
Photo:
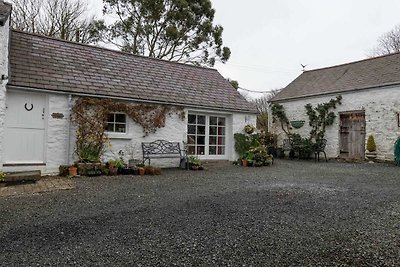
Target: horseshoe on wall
28	109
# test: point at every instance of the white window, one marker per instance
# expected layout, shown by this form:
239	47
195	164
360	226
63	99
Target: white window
206	135
116	123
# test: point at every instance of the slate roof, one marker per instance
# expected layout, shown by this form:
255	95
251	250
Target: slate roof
5	11
359	75
46	63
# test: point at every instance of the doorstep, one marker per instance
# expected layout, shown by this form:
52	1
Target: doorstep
43	185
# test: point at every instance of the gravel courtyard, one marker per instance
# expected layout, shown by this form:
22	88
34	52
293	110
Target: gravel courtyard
295	213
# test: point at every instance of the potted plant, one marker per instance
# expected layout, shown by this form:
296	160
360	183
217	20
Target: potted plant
72	170
243	159
194	163
250	159
2	179
249	129
371	148
141	169
115	165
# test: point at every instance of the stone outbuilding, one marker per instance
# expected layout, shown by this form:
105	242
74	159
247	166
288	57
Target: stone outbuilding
42	78
370	90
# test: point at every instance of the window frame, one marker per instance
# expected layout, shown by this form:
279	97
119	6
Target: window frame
207	135
115	123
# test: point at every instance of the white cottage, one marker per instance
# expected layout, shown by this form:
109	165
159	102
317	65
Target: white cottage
370	106
41	78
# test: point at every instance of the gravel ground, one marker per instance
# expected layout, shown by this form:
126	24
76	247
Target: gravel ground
294	213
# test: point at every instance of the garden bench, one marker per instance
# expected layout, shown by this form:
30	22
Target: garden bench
163	149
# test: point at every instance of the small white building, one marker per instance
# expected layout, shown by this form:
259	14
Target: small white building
41	78
370	106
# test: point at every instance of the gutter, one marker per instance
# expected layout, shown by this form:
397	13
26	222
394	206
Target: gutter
387	85
69	129
129	99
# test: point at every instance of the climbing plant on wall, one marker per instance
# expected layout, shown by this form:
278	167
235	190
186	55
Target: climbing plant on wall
321	116
90	117
278	113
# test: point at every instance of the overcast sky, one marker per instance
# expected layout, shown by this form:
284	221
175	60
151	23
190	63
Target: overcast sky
269	39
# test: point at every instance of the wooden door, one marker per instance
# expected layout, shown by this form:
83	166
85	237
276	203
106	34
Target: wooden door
25	128
352	135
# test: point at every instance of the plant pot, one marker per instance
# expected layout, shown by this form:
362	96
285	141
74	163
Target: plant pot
73	171
370	155
125	171
141	171
135	171
195	167
113	171
244	162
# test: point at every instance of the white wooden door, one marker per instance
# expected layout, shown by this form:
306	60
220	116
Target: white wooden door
24	128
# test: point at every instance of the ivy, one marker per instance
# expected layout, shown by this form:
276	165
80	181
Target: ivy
90	117
320	117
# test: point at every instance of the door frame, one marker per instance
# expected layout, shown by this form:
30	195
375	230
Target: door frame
349	112
206	148
45	135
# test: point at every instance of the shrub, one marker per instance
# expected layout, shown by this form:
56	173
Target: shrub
63	170
304	146
244	142
371	146
2	176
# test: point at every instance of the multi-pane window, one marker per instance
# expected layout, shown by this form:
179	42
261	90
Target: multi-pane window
217	136
206	135
196	141
116	123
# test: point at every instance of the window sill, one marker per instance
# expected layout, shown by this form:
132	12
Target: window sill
119	136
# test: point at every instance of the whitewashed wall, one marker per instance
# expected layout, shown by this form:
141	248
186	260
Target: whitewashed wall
174	131
381	106
57	135
4	40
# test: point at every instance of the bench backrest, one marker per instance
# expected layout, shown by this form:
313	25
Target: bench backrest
161	147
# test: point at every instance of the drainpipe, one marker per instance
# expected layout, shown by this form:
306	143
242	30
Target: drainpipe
69	128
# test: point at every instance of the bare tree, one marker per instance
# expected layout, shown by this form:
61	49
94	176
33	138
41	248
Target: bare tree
26	15
263	105
388	43
64	19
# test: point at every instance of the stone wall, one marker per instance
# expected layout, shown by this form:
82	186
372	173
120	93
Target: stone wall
381	106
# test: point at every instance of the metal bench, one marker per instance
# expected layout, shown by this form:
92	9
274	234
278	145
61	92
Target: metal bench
163	149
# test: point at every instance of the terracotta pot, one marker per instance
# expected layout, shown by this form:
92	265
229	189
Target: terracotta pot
73	171
244	162
141	171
